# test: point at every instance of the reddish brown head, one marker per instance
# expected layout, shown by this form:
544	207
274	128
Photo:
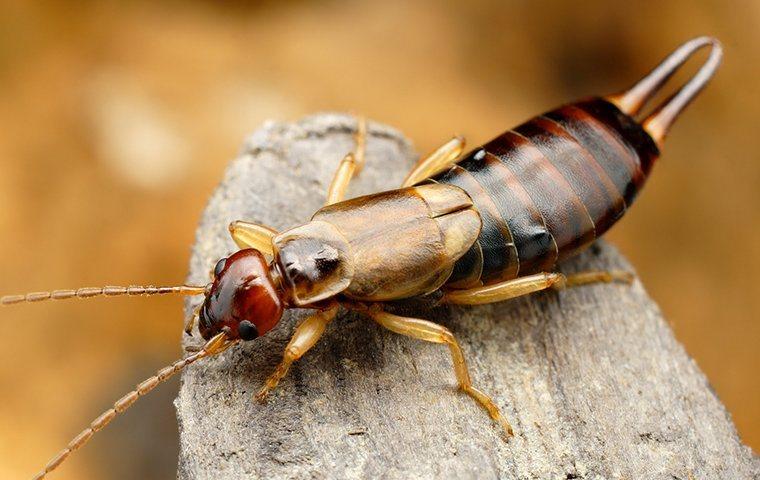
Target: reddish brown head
242	300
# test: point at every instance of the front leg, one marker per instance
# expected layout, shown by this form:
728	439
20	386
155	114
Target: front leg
306	336
253	235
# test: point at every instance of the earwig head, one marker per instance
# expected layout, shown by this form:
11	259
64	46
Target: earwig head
243	300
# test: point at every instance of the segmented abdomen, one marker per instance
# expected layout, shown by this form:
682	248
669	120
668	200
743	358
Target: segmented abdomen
548	188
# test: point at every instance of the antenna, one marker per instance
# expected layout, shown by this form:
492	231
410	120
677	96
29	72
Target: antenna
108	291
216	345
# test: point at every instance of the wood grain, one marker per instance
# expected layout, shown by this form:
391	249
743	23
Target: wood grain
592	378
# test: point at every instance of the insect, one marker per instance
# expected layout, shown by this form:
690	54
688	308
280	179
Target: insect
478	228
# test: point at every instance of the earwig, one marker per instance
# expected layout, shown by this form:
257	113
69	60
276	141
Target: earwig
470	229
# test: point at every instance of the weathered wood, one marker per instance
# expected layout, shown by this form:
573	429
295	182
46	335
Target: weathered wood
592	378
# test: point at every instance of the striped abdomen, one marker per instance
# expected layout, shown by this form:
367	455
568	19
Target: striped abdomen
548	188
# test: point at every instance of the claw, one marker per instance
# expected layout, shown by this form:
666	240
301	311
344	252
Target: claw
261	397
506	426
622	276
273	381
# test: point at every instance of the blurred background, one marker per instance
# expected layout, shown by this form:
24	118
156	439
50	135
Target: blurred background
117	120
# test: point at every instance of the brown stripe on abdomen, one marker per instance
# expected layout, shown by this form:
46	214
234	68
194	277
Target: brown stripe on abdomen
499	252
536	249
626	127
600	197
546	190
618	159
566	217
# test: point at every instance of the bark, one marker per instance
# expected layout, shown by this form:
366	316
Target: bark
592	378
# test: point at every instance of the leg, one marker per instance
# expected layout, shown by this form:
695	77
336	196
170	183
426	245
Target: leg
435	162
598	276
306	336
529	284
251	235
191	321
350	165
432	332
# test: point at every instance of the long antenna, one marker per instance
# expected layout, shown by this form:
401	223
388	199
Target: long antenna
216	345
108	291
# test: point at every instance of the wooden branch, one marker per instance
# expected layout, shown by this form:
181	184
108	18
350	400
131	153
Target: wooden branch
592	378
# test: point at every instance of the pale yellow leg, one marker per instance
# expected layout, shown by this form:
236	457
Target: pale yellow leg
191	322
306	336
350	165
436	162
432	332
531	283
598	276
252	235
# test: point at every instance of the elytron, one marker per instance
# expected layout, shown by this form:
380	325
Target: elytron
469	229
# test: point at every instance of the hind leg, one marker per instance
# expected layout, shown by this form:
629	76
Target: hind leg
532	283
436	162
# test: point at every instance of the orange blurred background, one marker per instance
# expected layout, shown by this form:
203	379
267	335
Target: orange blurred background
117	120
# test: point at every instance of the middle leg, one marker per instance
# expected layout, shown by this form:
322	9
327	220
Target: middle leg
350	166
436	162
432	332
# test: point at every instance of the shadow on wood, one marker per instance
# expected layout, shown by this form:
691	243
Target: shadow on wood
591	378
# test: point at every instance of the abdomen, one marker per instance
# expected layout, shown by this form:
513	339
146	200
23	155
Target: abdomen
548	188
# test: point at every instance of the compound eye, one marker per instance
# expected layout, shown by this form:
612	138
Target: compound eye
247	330
219	267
